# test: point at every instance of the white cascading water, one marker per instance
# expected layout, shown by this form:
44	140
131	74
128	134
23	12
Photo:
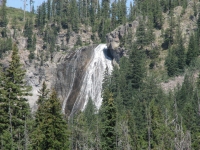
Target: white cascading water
92	82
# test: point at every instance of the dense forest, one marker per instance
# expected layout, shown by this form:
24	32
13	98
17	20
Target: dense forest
136	112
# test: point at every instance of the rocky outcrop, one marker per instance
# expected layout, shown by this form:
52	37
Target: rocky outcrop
69	76
113	39
69	41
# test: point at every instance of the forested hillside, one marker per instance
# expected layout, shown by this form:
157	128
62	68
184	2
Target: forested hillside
153	43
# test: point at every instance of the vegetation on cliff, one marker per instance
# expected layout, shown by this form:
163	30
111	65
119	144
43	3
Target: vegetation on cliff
136	112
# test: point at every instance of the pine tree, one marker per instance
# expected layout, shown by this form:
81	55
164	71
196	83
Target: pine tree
157	15
74	16
108	134
141	35
180	53
122	11
49	11
43	94
131	12
192	50
37	136
38	17
114	14
105	9
157	126
43	17
15	104
171	63
89	112
136	72
51	131
150	37
3	14
124	84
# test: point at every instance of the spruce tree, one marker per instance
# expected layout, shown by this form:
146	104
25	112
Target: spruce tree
192	50
108	134
180	53
156	126
3	14
136	72
50	131
74	15
171	63
141	35
89	112
105	9
49	11
15	104
114	14
157	15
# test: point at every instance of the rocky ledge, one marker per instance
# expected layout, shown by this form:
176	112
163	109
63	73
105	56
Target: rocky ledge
113	40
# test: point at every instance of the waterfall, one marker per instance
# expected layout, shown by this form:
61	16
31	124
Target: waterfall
72	74
93	77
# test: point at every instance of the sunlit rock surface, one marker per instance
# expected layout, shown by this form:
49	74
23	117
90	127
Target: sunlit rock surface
80	75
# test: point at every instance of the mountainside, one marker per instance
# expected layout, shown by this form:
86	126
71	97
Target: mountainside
138	90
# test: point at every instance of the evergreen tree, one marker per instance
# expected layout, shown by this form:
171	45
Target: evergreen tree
157	15
131	12
150	37
15	104
171	63
114	14
38	17
192	50
50	130
141	35
108	140
136	72
43	17
105	9
180	53
3	14
124	84
157	127
89	112
49	11
43	95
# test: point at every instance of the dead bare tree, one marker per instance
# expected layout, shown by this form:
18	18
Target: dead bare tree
24	9
31	3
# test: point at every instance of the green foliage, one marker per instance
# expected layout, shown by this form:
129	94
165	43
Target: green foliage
141	35
180	53
13	103
108	133
5	45
89	112
28	32
192	51
168	38
79	41
135	113
3	15
137	71
171	63
7	140
153	54
50	129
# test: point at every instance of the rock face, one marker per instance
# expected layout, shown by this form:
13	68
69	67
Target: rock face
69	41
69	76
63	70
91	85
113	39
75	76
